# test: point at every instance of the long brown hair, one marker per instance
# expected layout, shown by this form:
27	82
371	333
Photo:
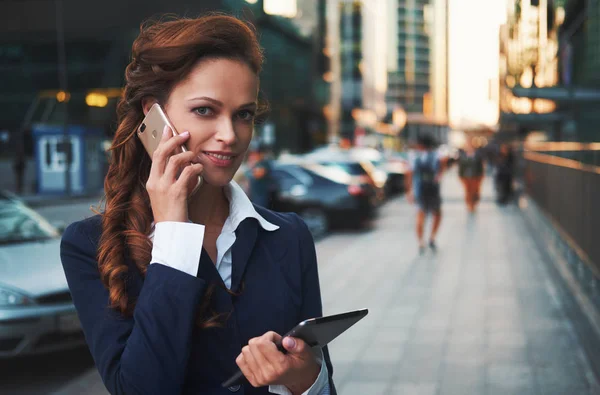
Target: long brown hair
163	54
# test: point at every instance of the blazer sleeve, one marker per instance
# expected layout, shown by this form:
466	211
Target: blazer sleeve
311	290
143	354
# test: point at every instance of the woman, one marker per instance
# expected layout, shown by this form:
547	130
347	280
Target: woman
470	171
176	291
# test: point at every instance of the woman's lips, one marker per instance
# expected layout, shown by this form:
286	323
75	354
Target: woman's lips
220	159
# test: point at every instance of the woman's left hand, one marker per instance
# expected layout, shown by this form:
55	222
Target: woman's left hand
263	364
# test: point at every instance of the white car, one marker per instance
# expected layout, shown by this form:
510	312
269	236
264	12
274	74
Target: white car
36	311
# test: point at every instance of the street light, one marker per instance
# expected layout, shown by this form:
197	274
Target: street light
62	96
285	8
96	100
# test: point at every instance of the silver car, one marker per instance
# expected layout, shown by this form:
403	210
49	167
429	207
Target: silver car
36	311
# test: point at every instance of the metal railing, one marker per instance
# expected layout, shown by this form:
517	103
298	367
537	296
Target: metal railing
564	180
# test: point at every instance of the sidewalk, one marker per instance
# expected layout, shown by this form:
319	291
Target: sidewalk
482	316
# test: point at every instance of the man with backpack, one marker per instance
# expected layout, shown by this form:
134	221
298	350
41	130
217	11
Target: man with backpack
423	188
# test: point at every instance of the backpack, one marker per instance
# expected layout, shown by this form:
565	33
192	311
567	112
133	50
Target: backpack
470	166
427	170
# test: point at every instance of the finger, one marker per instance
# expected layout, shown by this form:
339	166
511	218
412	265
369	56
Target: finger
176	163
158	165
253	367
189	177
243	365
294	345
166	148
263	351
274	337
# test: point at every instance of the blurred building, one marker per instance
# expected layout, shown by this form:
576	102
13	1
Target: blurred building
409	81
356	47
528	57
439	42
550	70
351	56
418	65
97	43
293	74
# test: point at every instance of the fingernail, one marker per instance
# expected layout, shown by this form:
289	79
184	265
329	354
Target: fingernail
165	129
289	342
185	134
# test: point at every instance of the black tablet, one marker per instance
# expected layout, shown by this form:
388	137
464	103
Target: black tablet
316	332
320	331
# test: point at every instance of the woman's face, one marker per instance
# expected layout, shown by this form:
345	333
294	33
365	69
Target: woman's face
216	104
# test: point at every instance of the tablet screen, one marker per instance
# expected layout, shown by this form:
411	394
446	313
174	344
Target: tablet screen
321	331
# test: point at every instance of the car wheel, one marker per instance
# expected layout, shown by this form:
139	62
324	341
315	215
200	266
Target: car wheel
316	220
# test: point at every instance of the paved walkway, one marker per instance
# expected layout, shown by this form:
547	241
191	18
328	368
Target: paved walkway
481	316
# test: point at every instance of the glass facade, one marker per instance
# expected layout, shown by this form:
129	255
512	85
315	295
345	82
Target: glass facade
350	59
410	83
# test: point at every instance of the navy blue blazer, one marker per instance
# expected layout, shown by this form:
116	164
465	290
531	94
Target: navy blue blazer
160	350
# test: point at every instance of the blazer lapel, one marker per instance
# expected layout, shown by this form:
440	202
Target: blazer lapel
207	270
245	239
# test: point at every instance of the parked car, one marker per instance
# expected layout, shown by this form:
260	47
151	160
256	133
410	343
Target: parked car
362	172
324	197
36	311
396	165
376	165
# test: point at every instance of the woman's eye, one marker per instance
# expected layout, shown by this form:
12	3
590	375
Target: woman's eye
203	111
246	115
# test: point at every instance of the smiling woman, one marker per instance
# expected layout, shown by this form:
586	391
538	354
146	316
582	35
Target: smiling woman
198	282
216	104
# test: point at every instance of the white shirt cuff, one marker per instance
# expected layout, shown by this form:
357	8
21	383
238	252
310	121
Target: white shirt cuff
319	387
178	245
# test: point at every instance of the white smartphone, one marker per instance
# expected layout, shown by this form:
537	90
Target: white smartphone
150	132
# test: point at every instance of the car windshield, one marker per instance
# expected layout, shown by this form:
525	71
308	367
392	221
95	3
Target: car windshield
19	224
354	169
298	173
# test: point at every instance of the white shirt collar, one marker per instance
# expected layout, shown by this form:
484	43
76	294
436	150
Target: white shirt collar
240	208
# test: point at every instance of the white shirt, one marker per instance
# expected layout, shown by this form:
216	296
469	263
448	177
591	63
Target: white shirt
179	245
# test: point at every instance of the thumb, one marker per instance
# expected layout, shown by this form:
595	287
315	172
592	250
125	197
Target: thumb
290	344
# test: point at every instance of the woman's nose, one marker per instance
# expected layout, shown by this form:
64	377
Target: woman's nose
226	132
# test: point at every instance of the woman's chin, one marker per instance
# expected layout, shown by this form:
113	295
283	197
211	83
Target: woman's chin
219	181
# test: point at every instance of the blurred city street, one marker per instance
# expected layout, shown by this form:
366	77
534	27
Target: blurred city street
482	316
342	112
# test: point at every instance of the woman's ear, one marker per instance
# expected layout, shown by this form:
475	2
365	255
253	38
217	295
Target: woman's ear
147	103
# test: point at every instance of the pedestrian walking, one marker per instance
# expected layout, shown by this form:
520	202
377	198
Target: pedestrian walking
471	171
423	186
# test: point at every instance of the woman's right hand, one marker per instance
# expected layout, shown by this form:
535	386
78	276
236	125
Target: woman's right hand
168	192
